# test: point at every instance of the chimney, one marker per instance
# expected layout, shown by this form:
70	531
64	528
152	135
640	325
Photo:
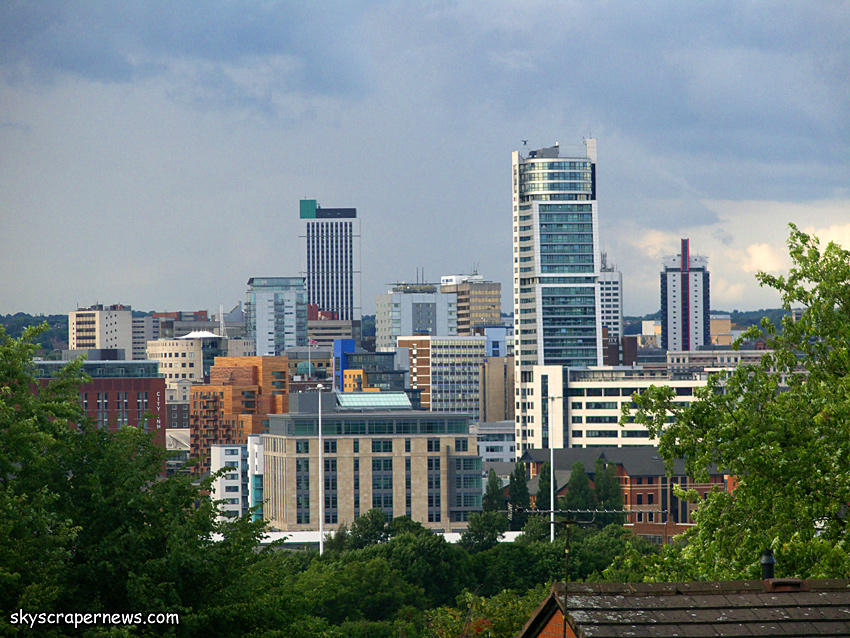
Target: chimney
767	563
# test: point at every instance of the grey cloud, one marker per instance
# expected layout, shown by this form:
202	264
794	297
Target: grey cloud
723	237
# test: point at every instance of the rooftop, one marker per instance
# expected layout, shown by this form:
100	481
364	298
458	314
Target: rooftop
773	607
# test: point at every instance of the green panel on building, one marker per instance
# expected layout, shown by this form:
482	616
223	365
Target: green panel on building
308	209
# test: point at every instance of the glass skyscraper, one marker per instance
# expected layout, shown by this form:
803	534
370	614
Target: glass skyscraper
556	269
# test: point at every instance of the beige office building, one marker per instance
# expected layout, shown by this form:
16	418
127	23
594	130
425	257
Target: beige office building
100	326
479	302
377	453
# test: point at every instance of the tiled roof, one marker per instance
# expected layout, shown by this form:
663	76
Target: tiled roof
775	607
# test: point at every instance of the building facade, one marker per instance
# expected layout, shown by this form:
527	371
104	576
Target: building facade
479	302
120	393
242	392
276	314
557	264
377	452
240	487
685	301
611	301
333	259
447	372
413	309
101	327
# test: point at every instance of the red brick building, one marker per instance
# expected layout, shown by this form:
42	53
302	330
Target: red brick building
645	484
120	393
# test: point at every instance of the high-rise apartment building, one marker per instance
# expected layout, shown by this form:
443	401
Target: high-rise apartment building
556	270
276	314
479	302
333	259
611	300
685	301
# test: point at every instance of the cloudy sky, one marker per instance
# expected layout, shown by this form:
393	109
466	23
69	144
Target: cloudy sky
153	153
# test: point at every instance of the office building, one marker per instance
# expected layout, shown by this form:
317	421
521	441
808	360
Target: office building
413	309
377	453
479	302
276	314
101	327
557	263
685	301
190	357
333	259
496	441
447	372
358	370
582	407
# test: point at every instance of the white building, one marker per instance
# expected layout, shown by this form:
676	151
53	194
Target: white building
581	407
496	441
685	301
99	326
241	486
413	309
276	314
611	301
557	263
189	358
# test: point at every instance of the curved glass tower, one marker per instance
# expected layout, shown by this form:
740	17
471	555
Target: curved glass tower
556	269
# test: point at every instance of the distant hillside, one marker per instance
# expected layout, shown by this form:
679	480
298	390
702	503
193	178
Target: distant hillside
56	338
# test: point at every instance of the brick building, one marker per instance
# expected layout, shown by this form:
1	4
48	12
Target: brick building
234	404
645	484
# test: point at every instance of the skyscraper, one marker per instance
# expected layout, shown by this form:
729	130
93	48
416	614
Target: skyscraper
556	269
685	301
333	259
276	314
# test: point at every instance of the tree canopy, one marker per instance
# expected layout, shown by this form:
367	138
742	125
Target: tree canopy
781	428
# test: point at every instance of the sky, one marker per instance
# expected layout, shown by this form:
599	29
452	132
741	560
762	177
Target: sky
154	153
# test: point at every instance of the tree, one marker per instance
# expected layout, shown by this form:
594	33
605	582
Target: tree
781	427
519	497
579	494
609	494
484	531
86	523
494	498
544	487
368	529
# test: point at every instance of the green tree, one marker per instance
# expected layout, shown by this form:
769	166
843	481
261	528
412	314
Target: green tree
609	494
579	494
484	531
86	521
494	498
781	427
518	496
368	529
544	486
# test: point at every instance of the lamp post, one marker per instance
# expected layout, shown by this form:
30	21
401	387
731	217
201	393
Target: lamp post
552	472
320	387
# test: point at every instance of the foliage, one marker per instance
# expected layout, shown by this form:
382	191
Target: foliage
494	499
518	496
609	494
368	529
781	427
580	495
544	487
87	524
484	531
499	616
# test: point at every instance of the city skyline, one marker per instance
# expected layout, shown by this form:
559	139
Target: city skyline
159	160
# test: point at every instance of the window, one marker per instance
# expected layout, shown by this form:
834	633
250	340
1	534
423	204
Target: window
382	445
330	446
461	445
231	488
231	452
433	445
302	446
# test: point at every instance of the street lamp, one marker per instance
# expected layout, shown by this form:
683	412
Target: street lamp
552	507
320	387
